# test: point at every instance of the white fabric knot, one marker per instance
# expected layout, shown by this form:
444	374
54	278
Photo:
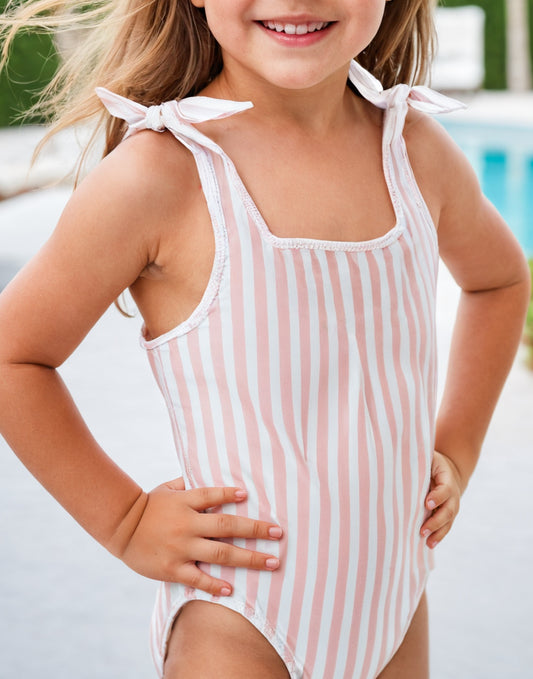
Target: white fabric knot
419	97
177	116
154	118
180	116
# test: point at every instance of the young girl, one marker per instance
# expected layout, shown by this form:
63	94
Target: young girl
280	236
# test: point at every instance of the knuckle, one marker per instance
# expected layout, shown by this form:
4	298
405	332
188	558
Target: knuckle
256	530
448	514
228	494
168	568
261	530
199	580
222	523
220	552
212	587
204	493
195	579
257	561
440	495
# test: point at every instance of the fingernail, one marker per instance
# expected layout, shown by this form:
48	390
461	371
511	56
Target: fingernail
225	591
426	533
272	563
432	504
240	494
433	543
275	532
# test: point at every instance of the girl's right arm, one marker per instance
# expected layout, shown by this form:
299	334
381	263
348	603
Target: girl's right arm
105	238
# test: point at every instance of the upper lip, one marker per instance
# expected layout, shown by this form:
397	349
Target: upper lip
297	19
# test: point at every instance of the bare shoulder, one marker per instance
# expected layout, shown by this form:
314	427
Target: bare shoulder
421	129
140	180
153	156
133	199
441	168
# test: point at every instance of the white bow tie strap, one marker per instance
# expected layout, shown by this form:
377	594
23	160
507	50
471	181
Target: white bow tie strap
178	117
401	96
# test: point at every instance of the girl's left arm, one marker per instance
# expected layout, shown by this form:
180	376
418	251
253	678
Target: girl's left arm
489	266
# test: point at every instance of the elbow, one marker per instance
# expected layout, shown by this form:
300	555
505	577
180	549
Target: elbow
526	281
528	301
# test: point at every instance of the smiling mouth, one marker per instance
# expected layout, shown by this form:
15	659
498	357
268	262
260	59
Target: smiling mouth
296	29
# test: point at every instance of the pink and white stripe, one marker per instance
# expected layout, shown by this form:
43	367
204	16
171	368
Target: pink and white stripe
307	376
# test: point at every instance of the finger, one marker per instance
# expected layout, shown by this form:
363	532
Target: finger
442	516
176	484
224	554
201	499
434	539
192	576
229	526
438	496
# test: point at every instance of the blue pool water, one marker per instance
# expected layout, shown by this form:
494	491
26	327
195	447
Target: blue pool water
503	160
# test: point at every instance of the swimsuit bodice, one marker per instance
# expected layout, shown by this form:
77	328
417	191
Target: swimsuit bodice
307	375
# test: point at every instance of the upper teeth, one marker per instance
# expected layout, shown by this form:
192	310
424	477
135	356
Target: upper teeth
295	29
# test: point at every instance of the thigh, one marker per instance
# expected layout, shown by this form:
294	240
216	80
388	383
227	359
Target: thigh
213	642
411	660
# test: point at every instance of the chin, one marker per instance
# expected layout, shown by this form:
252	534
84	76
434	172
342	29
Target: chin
295	81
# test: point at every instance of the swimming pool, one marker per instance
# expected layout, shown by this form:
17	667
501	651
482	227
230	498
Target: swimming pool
503	160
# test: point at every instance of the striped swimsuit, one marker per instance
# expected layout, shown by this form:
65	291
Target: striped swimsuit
307	376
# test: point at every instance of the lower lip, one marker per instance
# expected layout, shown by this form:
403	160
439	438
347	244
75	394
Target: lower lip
295	40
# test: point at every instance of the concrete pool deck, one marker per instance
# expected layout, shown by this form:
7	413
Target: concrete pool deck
69	610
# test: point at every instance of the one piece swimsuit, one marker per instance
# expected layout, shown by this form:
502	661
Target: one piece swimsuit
307	376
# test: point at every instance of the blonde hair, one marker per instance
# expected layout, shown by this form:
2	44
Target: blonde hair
157	50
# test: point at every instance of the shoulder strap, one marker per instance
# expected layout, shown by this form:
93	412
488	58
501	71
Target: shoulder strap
400	97
178	117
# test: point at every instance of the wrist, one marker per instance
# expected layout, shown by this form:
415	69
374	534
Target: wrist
126	526
461	474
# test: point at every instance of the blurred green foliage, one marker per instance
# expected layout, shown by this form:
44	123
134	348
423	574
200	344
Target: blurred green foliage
31	65
530	17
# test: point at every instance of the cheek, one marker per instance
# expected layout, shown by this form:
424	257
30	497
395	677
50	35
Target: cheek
367	21
224	22
371	13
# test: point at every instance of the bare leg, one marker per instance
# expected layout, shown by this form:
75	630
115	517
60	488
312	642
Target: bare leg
214	642
411	660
